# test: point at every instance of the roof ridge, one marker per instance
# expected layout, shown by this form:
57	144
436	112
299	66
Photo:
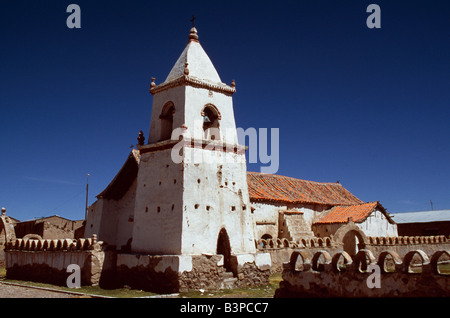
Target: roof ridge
294	178
364	203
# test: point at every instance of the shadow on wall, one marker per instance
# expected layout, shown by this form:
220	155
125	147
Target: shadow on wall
416	275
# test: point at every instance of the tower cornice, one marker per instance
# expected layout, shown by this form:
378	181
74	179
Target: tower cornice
186	80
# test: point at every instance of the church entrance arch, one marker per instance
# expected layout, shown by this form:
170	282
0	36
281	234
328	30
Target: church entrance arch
351	242
351	237
224	248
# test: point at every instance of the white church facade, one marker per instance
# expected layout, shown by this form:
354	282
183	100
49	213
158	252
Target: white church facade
185	197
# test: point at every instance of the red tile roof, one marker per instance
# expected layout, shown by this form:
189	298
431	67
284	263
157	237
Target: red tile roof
358	213
271	187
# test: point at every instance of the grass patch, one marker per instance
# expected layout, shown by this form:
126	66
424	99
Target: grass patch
444	268
263	291
2	272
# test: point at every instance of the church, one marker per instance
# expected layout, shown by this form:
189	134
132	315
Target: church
186	197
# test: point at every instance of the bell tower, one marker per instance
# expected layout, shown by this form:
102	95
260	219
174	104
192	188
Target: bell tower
193	93
192	193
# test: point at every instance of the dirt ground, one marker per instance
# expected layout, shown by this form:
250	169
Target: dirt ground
12	291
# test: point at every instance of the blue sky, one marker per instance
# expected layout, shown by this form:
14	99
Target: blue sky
368	107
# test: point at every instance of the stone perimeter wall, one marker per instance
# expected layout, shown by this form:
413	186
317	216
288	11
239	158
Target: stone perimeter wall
281	249
47	260
321	275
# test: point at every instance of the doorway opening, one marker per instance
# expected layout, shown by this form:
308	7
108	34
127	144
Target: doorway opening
224	248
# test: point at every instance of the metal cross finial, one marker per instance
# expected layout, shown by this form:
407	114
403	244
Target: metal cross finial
193	21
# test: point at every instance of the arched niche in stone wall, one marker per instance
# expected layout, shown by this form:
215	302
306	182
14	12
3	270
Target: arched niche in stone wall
300	261
340	261
320	259
363	259
415	261
389	261
439	259
32	236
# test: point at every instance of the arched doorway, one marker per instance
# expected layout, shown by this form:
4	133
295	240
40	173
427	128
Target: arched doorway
224	248
351	237
351	242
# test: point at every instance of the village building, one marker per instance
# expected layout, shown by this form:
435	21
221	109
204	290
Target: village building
434	222
51	227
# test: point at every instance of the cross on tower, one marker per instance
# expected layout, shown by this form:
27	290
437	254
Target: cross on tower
193	21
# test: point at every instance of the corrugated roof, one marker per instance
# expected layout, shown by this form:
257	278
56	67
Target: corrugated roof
422	216
271	187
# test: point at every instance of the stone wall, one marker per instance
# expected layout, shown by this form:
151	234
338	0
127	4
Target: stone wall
403	244
281	249
47	260
322	275
179	273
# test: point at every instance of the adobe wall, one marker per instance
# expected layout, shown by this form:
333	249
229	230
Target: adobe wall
403	244
50	228
47	260
338	275
281	249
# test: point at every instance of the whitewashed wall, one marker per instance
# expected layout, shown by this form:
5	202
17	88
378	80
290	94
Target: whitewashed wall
158	205
375	225
215	197
175	95
111	220
94	219
268	212
378	225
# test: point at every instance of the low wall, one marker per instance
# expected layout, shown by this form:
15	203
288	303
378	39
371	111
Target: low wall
404	244
47	260
281	249
322	275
